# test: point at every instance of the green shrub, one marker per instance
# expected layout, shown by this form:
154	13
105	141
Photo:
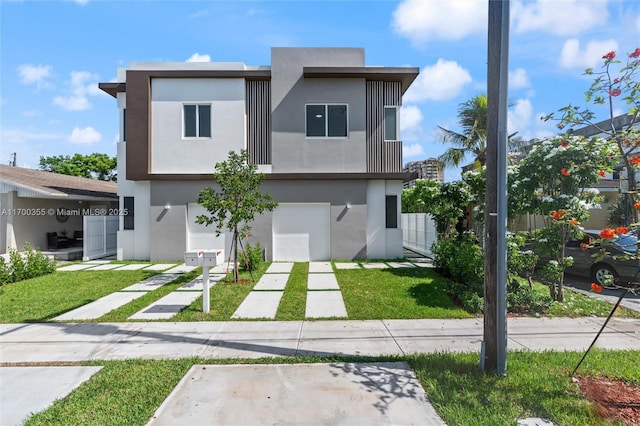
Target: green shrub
17	266
251	257
5	274
460	258
21	267
523	299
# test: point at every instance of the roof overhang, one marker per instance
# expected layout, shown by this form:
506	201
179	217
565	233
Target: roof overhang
405	75
114	88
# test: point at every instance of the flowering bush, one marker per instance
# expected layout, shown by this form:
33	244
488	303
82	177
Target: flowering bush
556	180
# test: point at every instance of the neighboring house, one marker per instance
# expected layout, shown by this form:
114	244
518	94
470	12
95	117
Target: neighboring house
321	125
34	203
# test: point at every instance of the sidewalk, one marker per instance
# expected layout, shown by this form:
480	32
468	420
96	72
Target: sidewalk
350	391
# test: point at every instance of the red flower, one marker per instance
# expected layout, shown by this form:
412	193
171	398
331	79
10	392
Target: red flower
601	173
564	172
607	234
609	56
621	230
558	215
595	287
614	92
635	53
637	206
575	222
564	143
635	160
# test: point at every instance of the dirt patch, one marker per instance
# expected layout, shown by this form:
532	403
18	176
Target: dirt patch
614	399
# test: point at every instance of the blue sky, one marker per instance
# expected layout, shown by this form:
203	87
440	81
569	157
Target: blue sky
54	53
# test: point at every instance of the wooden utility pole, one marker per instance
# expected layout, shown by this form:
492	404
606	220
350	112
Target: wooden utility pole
494	349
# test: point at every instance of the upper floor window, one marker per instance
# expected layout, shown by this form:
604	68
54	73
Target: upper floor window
327	120
391	123
197	120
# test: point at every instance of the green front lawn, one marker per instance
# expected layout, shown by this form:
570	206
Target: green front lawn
404	293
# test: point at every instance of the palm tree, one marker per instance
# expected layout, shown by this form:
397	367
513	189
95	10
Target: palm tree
472	116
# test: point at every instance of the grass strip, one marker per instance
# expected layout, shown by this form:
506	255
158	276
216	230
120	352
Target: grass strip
294	300
537	385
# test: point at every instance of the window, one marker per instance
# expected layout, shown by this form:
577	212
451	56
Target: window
391	124
197	121
128	217
327	121
391	211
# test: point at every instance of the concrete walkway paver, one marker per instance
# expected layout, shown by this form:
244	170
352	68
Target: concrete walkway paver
375	265
100	307
322	282
152	283
325	304
320	267
197	284
279	268
259	304
105	267
132	267
167	306
180	269
310	394
27	390
347	265
159	266
272	282
76	267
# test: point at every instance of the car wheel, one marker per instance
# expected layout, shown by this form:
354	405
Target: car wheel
600	272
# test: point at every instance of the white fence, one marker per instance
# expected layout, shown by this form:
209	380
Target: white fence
418	232
100	237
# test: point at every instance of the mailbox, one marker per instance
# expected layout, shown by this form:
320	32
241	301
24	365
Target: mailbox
211	257
192	258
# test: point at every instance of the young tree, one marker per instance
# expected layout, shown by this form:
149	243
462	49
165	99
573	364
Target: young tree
237	202
93	166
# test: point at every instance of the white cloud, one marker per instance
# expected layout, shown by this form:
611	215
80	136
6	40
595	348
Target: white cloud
424	20
81	84
566	17
85	136
413	150
518	79
35	74
573	56
444	80
196	57
519	116
410	117
18	136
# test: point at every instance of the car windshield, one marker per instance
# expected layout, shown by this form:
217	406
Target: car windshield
628	243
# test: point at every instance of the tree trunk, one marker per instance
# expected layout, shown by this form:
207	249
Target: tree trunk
236	275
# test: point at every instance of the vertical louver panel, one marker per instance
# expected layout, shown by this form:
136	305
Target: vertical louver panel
382	156
258	108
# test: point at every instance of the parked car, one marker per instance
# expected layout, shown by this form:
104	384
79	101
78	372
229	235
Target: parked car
624	271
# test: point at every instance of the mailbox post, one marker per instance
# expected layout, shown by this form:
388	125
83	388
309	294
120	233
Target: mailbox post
206	259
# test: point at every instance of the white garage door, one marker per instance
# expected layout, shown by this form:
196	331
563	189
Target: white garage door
301	232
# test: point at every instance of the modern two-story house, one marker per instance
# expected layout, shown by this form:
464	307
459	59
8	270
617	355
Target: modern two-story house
321	126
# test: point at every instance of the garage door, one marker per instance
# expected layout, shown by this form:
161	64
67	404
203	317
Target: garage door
301	232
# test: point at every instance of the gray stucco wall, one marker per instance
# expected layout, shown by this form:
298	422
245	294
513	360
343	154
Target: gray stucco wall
290	92
348	226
